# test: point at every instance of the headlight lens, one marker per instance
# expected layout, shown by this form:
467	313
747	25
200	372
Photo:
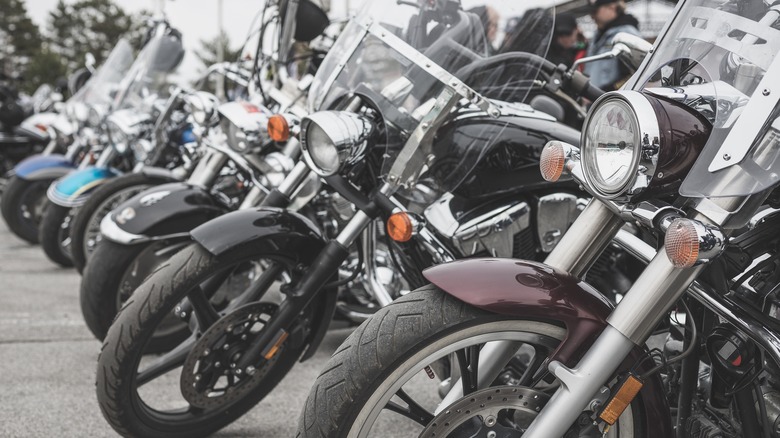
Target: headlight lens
236	138
332	140
611	148
118	137
141	149
323	152
94	118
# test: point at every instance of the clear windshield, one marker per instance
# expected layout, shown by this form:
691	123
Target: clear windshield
103	84
148	76
431	66
721	58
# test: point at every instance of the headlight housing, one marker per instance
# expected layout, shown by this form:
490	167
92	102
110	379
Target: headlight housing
333	139
620	136
124	128
203	108
639	144
244	125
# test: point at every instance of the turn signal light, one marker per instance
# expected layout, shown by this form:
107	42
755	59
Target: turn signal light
620	401
278	128
552	161
682	243
276	346
400	227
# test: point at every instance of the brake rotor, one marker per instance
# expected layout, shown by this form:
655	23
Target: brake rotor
499	411
209	377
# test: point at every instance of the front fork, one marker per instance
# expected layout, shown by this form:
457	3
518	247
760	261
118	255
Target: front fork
630	324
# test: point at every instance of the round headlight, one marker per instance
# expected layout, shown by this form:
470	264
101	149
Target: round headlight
141	149
611	146
118	137
94	118
332	139
322	151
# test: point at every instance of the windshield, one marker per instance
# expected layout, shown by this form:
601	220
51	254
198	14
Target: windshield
721	58
148	76
425	67
104	82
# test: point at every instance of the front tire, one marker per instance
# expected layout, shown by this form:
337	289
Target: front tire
367	374
120	397
54	234
110	279
22	206
85	228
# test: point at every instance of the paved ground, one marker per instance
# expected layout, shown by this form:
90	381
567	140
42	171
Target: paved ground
48	357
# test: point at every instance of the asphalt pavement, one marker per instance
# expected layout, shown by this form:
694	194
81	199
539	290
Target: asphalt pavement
48	358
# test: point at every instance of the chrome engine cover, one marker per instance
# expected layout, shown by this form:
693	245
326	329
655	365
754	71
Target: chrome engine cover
554	215
492	231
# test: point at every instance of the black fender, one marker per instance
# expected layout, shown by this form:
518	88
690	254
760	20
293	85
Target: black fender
165	211
533	290
266	230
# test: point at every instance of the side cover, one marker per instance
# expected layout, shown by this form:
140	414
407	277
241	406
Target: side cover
165	210
533	290
40	167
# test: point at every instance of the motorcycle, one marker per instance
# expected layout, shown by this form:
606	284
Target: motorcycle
518	348
129	123
74	130
139	235
394	131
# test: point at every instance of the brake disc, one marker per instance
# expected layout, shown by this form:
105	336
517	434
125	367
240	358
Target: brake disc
210	378
499	411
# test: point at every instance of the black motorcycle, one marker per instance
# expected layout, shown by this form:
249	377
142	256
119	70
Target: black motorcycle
403	140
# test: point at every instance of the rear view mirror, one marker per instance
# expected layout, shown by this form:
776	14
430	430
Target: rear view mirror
630	49
310	21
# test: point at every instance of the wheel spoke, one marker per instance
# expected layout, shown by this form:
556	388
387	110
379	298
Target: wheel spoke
468	361
413	411
166	362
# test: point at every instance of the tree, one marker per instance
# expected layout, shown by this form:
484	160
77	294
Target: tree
87	26
208	50
20	39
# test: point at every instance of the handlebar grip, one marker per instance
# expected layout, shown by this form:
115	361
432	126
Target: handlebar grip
580	85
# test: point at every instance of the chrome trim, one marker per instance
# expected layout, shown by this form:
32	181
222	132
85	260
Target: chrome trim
294	179
353	229
645	153
348	134
208	168
370	281
586	239
554	215
724	307
712	241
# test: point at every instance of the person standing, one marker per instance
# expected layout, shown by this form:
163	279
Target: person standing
567	43
611	18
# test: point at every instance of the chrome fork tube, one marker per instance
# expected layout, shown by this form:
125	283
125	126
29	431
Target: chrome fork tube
585	240
297	175
105	157
252	198
370	281
208	168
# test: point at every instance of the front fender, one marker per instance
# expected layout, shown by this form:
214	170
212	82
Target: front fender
41	167
165	211
266	231
74	189
532	290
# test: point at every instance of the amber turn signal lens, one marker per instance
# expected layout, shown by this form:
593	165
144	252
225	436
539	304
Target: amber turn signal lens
620	401
400	227
278	128
552	161
682	243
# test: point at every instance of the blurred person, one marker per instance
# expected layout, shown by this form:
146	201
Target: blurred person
489	18
568	43
611	18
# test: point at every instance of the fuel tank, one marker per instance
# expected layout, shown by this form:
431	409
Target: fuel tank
512	143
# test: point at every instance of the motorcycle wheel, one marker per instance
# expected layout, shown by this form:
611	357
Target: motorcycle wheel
22	206
407	352
85	228
54	233
132	406
113	275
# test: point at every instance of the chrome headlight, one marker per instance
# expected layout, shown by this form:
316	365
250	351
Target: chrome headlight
141	149
203	108
620	138
332	139
93	118
124	127
244	125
